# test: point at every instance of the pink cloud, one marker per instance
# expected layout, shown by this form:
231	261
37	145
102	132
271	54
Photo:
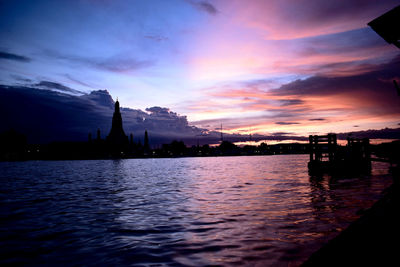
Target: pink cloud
274	38
285	19
250	55
317	104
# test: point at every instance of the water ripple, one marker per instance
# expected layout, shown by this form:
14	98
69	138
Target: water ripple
176	212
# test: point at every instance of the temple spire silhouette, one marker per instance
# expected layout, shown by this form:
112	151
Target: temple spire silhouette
117	135
146	142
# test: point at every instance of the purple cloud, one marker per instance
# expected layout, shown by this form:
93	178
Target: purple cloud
286	123
14	57
204	6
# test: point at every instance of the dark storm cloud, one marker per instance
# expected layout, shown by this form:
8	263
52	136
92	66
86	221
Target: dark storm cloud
47	115
15	57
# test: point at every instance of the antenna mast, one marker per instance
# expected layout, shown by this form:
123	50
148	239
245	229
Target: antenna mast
221	134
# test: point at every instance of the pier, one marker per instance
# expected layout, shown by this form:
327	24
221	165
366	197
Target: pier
327	157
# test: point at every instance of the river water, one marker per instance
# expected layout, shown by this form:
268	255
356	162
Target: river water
247	211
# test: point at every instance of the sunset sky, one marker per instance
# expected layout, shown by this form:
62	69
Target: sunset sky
299	67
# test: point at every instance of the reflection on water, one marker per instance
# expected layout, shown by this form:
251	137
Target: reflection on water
190	211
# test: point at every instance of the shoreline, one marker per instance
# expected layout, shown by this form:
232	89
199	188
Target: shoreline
153	157
369	241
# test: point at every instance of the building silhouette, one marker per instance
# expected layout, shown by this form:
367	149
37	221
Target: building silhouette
98	135
117	136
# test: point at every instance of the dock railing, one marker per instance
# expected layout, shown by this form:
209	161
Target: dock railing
358	149
323	147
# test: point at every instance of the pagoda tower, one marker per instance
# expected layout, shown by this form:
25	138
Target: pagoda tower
117	135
